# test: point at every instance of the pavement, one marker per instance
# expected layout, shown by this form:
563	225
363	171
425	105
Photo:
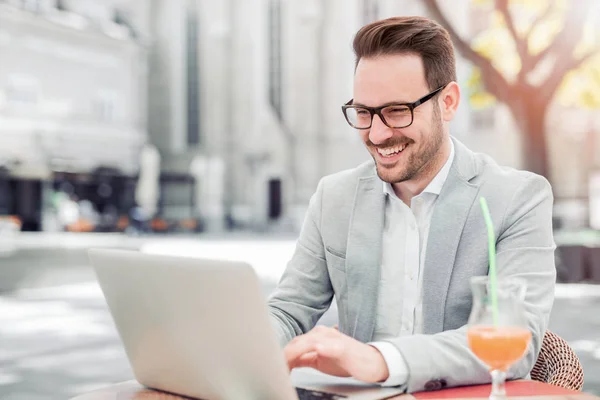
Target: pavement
57	339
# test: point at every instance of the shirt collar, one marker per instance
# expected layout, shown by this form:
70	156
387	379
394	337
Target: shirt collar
436	184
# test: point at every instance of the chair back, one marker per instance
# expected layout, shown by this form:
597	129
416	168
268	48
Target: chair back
558	364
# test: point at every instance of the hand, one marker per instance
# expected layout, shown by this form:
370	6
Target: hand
331	352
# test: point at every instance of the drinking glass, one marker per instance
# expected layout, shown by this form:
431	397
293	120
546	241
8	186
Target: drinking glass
497	330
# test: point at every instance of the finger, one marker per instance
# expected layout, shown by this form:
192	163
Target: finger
307	360
332	348
298	347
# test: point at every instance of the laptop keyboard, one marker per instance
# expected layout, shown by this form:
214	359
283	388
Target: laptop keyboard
305	394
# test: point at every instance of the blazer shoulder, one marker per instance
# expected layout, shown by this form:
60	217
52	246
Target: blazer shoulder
509	178
348	179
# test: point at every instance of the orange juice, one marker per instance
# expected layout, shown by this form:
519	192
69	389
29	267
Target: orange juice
499	347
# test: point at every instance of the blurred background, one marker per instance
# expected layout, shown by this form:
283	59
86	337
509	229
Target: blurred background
201	128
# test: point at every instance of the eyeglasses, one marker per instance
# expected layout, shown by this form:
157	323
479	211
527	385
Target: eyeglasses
394	115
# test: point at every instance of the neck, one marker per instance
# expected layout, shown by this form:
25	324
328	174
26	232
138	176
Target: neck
408	189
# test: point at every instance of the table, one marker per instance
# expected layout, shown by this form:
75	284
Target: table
517	390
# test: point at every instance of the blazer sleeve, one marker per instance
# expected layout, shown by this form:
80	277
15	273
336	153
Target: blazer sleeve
304	292
525	249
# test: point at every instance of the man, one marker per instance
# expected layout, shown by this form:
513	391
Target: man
397	240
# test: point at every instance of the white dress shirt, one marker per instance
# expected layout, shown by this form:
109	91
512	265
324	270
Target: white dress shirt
399	306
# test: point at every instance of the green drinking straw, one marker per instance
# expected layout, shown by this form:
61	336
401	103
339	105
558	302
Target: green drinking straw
492	254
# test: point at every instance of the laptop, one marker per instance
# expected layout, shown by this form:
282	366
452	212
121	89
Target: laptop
200	328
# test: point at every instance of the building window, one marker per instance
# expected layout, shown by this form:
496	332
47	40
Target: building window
193	103
275	42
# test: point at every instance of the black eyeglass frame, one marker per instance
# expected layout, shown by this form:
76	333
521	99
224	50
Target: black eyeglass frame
377	110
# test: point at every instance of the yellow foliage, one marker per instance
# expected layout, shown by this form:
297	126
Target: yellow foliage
542	35
475	82
590	39
481	100
478	97
497	45
580	88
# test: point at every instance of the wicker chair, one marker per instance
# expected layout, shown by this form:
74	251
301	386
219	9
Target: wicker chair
557	364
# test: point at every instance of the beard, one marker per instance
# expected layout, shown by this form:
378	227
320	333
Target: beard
418	163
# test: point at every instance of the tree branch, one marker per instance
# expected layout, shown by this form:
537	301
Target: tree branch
562	67
543	15
532	60
493	80
571	32
520	43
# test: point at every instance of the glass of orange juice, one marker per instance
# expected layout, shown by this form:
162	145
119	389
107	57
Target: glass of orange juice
497	331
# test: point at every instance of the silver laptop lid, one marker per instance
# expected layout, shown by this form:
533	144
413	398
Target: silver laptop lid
166	310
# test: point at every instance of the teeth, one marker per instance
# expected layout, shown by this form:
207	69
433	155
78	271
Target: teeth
391	150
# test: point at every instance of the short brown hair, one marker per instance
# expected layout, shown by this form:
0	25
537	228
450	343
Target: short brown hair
416	35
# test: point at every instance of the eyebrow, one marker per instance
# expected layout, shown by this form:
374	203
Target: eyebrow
392	103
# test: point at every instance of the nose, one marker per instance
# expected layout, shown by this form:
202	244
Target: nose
379	131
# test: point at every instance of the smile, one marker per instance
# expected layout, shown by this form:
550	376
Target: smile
392	151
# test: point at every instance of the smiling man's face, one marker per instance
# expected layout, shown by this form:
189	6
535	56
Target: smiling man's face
400	154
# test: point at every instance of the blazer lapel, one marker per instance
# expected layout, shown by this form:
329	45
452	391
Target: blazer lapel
447	222
363	257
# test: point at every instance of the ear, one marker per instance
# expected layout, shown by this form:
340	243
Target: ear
449	100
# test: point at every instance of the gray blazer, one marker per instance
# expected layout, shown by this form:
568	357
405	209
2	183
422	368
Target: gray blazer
339	253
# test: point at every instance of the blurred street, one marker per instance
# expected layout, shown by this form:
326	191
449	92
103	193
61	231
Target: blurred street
57	338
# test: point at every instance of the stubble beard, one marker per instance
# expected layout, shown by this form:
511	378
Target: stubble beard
417	164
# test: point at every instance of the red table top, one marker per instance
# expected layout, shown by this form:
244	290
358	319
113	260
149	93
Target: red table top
132	390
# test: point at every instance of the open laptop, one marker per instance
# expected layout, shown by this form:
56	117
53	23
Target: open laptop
200	328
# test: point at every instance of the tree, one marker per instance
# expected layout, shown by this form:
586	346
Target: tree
549	39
